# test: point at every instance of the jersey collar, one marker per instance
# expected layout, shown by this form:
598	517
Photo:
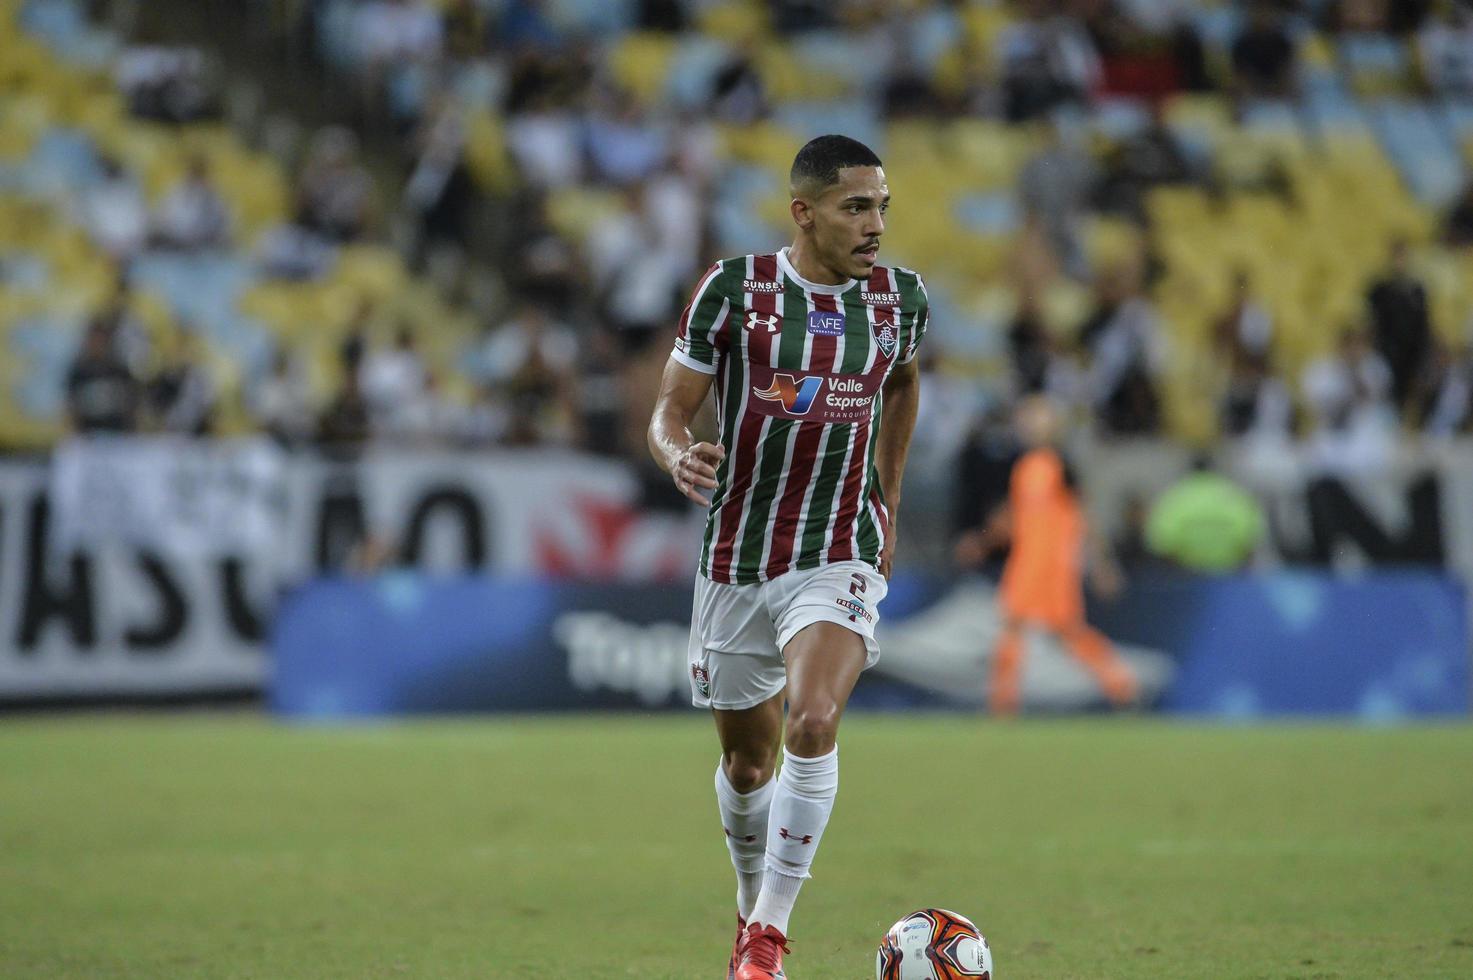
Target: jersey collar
812	287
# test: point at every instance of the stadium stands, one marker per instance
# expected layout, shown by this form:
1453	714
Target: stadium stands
558	110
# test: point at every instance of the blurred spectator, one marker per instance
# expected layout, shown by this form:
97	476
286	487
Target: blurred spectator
343	427
427	417
532	360
1442	400
1246	327
908	91
1349	395
393	380
102	394
1148	49
1205	522
1048	60
467	30
1142	161
126	332
391	32
600	403
530	342
1401	326
661	15
1445	50
169	84
193	215
1043	363
440	189
546	142
1169	22
637	276
1264	55
1457	228
183	394
1030	347
1126	352
983	469
334	190
1257	405
281	403
948	404
486	420
1129	544
294	252
624	146
544	266
1055	185
113	212
737	93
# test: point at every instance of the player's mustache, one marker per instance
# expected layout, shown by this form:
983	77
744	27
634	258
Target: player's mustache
872	243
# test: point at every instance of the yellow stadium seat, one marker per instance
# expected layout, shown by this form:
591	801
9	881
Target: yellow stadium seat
641	63
735	21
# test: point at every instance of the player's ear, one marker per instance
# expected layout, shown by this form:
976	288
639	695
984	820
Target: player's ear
802	213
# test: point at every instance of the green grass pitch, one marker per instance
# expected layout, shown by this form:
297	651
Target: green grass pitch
229	846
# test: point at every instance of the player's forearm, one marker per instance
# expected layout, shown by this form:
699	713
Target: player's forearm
897	422
669	435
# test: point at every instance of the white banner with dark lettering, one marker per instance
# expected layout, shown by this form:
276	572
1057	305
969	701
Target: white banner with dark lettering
121	619
171	495
151	566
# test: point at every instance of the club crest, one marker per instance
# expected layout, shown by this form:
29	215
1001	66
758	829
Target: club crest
884	331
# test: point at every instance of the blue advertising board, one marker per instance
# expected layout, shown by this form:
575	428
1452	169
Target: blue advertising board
1381	647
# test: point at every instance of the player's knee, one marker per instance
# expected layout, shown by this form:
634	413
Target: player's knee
812	729
746	770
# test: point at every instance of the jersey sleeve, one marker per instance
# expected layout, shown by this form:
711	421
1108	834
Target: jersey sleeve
701	338
921	322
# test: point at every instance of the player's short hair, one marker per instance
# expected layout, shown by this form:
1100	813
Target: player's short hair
817	165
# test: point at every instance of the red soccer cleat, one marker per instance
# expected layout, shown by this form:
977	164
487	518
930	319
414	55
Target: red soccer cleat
736	948
761	954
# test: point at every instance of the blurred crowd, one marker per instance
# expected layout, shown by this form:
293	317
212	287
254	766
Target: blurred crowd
604	199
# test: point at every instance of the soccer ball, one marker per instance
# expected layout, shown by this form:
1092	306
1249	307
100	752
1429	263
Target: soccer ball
933	944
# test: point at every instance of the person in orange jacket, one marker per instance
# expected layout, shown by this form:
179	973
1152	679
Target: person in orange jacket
1042	582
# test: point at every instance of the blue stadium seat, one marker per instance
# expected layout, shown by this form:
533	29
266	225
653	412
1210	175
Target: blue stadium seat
853	117
1412	138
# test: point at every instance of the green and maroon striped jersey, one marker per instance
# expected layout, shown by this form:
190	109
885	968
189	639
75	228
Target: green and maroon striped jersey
799	371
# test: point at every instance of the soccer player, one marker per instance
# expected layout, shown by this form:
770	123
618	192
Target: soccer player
812	352
1042	581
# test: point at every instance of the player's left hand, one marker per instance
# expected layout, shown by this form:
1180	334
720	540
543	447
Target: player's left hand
887	550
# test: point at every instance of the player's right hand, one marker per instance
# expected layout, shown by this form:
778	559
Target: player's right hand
695	469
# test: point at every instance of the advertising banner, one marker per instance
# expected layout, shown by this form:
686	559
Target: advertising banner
148	566
409	643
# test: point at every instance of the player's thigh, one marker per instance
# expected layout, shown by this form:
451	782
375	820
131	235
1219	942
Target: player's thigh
825	620
824	662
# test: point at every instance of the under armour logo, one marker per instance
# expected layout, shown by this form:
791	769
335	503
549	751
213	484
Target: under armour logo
785	835
748	838
755	320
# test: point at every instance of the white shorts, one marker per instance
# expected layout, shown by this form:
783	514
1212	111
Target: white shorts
738	632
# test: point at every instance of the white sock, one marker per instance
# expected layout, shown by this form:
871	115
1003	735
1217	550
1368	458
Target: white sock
800	810
744	817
